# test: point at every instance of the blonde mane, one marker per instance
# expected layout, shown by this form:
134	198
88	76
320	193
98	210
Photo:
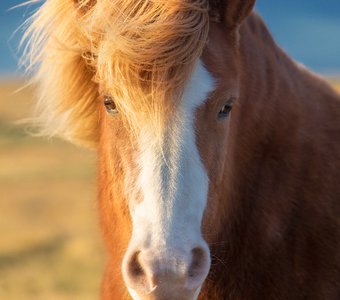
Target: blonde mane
140	52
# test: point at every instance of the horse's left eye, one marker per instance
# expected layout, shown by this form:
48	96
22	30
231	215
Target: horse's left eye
225	111
110	105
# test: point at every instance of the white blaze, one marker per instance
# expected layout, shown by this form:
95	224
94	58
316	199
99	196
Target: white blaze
172	179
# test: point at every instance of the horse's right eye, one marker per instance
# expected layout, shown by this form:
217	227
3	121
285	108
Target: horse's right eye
110	105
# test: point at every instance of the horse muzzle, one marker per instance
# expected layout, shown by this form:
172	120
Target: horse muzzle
166	275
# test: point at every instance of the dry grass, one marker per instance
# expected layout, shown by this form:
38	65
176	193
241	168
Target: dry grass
50	246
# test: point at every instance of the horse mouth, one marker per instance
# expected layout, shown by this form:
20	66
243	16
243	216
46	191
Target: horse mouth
167	292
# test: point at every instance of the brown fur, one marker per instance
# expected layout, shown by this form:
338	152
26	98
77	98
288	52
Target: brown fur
275	197
273	216
272	222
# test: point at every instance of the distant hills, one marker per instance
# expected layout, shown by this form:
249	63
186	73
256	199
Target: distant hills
309	30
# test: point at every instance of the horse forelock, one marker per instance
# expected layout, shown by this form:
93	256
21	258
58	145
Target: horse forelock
146	52
139	52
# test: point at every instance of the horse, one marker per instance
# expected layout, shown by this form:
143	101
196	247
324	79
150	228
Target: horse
218	155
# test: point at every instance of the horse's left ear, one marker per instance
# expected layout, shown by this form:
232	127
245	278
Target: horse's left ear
231	12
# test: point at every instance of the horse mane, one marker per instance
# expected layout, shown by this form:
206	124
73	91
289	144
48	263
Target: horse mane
140	53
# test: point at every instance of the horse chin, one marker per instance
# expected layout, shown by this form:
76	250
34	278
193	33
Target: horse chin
167	292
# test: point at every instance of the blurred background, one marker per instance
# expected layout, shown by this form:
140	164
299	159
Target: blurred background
50	245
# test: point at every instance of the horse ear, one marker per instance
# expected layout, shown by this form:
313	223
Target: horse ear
231	12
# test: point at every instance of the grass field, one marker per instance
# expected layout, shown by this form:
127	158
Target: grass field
50	246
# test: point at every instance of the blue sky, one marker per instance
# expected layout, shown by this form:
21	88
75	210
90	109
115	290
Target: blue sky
309	30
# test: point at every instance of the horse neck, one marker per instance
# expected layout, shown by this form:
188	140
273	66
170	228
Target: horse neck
270	77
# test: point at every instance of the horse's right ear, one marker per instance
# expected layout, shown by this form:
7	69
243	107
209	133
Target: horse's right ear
231	12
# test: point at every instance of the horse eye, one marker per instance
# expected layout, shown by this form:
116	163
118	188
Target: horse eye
225	111
110	105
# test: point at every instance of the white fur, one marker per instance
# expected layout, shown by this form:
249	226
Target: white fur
133	294
173	182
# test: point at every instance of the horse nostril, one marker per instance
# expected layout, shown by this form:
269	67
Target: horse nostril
199	267
196	262
137	274
135	269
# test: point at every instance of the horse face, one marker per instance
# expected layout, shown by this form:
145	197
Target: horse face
172	182
168	182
